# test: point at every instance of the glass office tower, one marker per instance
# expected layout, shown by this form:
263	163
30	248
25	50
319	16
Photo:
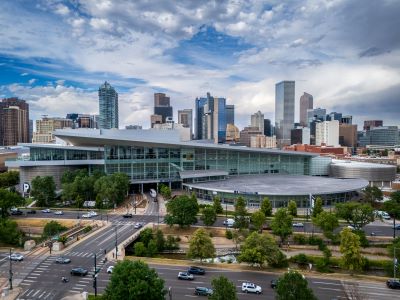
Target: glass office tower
108	107
284	111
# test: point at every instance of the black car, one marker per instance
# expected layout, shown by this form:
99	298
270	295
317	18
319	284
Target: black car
196	270
62	260
203	291
16	212
393	283
32	211
274	283
79	271
127	216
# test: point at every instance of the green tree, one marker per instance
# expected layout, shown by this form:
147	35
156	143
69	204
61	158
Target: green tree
43	190
139	249
217	205
9	179
317	209
10	234
293	286
201	245
209	216
145	236
241	220
152	248
351	259
165	191
258	219
160	240
292	208
328	222
371	194
392	206
112	189
182	211
391	247
8	200
282	224
258	249
52	228
132	280
356	214
266	207
223	289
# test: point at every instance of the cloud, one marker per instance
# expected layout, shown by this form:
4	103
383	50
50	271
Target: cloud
373	51
32	81
24	74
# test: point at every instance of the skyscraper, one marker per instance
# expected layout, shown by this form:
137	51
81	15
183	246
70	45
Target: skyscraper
268	130
306	102
284	111
230	114
185	117
14	122
257	120
108	107
162	106
46	126
327	133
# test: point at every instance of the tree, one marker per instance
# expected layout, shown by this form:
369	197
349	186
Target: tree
266	207
240	213
258	249
317	209
292	208
217	205
356	214
258	219
201	245
133	280
223	289
7	200
160	240
165	191
152	248
52	228
182	211
350	248
43	190
139	249
371	194
10	234
392	206
282	224
395	245
293	286
328	222
9	179
209	215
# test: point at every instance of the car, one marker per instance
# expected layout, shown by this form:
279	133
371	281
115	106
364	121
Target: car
185	276
393	283
229	222
138	225
298	224
46	211
16	212
397	227
16	257
127	215
58	212
248	287
203	291
196	270
92	213
14	209
110	269
274	283
62	260
32	211
79	271
351	227
86	216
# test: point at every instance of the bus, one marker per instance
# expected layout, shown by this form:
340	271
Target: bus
153	194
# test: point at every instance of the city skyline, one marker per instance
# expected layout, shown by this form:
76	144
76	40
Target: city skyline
60	52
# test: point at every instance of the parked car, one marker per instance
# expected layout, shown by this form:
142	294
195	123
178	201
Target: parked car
58	212
229	222
274	283
351	227
381	214
17	212
92	213
196	270
298	224
127	215
32	211
393	283
16	257
138	225
185	276
62	260
397	227
203	291
46	210
86	216
110	269
79	271
248	287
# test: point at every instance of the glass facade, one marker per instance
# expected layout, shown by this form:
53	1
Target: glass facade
42	154
284	111
164	164
108	107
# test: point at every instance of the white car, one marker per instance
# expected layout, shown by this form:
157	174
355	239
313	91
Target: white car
298	224
47	210
110	269
351	227
138	225
185	276
248	287
16	257
58	212
229	222
92	213
86	216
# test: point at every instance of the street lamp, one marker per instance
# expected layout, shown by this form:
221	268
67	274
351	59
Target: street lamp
116	242
10	272
394	262
95	276
170	293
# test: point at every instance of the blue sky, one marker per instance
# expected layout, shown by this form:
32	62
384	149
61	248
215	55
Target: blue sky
345	53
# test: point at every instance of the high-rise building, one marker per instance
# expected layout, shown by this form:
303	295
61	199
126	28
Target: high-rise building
45	129
346	120
381	136
162	106
268	130
230	114
334	116
284	111
306	102
316	114
30	131
327	133
155	119
14	122
247	133
257	120
262	141
300	135
108	107
86	121
232	133
348	135
372	123
210	118
185	117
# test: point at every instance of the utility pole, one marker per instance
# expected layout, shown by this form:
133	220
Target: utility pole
11	273
116	243
95	277
394	262
226	216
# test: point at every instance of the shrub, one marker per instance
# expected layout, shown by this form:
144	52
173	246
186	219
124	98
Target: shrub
322	265
139	249
171	243
315	240
282	261
300	259
363	239
300	239
229	234
87	229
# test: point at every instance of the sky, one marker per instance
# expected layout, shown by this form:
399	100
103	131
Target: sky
56	54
